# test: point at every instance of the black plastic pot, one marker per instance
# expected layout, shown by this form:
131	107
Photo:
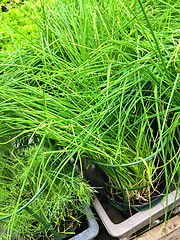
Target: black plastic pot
128	209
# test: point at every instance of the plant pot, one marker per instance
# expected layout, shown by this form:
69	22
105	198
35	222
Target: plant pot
89	233
125	205
128	209
119	227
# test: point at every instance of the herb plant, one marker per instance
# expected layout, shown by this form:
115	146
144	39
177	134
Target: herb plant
96	79
23	173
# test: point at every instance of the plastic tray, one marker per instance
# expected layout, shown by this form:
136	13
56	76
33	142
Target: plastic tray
126	228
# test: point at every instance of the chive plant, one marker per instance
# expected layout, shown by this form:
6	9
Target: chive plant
95	80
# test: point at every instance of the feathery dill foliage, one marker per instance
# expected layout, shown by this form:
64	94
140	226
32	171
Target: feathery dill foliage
23	172
95	79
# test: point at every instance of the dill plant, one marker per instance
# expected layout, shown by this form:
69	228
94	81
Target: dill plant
60	200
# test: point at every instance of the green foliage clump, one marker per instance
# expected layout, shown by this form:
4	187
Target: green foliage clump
22	174
16	25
